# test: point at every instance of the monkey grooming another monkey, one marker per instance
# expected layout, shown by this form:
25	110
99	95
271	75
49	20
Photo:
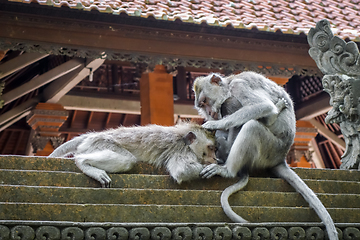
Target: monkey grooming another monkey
254	133
183	149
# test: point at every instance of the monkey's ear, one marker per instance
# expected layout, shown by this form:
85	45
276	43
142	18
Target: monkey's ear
189	138
215	79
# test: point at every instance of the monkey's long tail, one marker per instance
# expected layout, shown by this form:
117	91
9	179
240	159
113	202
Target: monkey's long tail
66	148
300	186
225	198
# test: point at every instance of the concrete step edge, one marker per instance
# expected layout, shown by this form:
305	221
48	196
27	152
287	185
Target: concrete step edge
40	194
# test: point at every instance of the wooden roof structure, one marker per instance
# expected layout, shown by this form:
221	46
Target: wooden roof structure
89	56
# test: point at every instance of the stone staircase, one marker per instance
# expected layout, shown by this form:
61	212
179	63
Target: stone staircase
51	199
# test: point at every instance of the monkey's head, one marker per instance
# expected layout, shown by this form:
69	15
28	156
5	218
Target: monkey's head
210	93
202	143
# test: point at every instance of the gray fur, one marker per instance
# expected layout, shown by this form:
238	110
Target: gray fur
183	150
260	133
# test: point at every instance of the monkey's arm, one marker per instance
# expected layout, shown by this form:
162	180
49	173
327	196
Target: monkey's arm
255	103
262	109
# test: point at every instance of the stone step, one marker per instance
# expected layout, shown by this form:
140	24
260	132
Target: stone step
59	164
163	213
36	194
142	181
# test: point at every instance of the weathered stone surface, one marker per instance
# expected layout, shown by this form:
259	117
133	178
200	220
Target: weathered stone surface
67	179
164	213
58	164
35	194
41	189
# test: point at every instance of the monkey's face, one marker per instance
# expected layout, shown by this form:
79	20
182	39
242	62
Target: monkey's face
204	147
210	93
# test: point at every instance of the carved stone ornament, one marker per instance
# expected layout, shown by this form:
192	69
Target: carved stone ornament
332	54
39	142
154	231
339	61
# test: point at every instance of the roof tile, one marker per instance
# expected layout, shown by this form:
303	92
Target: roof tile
293	17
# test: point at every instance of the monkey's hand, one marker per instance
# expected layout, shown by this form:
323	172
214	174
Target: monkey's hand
214	125
212	170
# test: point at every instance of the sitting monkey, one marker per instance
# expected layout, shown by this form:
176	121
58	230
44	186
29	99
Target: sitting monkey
183	150
253	133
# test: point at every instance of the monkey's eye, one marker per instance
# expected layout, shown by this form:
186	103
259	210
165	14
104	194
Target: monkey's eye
203	102
212	148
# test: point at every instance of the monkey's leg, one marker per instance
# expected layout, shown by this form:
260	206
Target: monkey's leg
244	151
96	164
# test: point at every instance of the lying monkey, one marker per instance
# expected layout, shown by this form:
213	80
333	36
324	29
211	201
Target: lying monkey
183	150
258	136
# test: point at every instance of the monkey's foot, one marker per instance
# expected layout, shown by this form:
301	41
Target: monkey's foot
281	104
214	169
101	176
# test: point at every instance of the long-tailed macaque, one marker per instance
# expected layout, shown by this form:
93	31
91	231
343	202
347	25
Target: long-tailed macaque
254	133
183	149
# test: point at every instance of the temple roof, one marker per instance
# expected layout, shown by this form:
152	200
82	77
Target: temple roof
289	17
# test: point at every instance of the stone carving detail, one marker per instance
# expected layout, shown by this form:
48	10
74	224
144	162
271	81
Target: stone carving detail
140	233
242	233
39	142
72	233
23	232
117	233
296	233
332	54
222	233
4	233
47	233
95	233
279	233
339	61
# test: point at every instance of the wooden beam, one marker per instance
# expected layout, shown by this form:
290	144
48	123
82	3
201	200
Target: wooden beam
18	110
13	120
96	104
63	85
20	62
313	107
42	80
328	134
316	155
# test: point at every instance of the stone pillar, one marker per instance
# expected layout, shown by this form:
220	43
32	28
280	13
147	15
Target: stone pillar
156	97
299	155
46	120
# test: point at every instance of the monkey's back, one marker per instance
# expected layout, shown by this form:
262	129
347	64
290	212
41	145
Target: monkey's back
152	143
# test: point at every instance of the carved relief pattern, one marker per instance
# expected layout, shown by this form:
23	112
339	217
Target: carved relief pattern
340	62
39	142
331	53
128	232
148	60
